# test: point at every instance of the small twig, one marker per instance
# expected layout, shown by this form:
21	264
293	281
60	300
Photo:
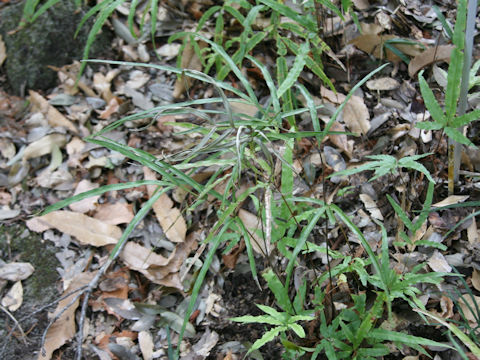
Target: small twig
56	301
89	288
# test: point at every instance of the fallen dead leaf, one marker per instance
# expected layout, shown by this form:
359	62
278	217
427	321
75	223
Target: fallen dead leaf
3	51
16	271
466	303
115	214
63	329
374	44
371	206
145	341
139	258
476	279
54	117
86	229
341	140
13	299
44	146
429	56
452	199
472	232
155	267
102	83
86	204
383	84
190	61
254	226
438	263
112	107
356	116
169	217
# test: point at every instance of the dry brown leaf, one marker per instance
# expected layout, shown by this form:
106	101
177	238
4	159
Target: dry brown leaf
190	61
139	258
335	98
157	268
356	116
169	217
88	203
102	83
145	341
374	44
446	304
341	140
253	225
44	146
383	84
438	263
472	232
371	206
242	108
86	229
429	56
361	4
114	214
3	51
112	107
16	271
75	152
463	301
63	329
54	117
476	279
452	199
13	299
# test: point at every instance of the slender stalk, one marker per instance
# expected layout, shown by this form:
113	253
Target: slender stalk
453	169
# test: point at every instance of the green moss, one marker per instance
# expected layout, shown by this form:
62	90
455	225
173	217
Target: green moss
49	40
19	244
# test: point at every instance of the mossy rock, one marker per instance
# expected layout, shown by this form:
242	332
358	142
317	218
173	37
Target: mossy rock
17	243
49	40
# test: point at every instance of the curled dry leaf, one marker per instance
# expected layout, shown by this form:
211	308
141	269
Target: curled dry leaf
63	329
86	204
44	146
86	229
356	116
13	299
112	107
371	206
54	117
16	271
169	217
155	267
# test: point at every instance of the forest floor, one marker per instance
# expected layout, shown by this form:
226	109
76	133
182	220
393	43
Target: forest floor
137	309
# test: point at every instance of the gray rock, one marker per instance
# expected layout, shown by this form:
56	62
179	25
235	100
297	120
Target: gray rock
49	40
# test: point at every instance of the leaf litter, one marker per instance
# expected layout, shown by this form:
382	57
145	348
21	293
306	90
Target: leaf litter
45	153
